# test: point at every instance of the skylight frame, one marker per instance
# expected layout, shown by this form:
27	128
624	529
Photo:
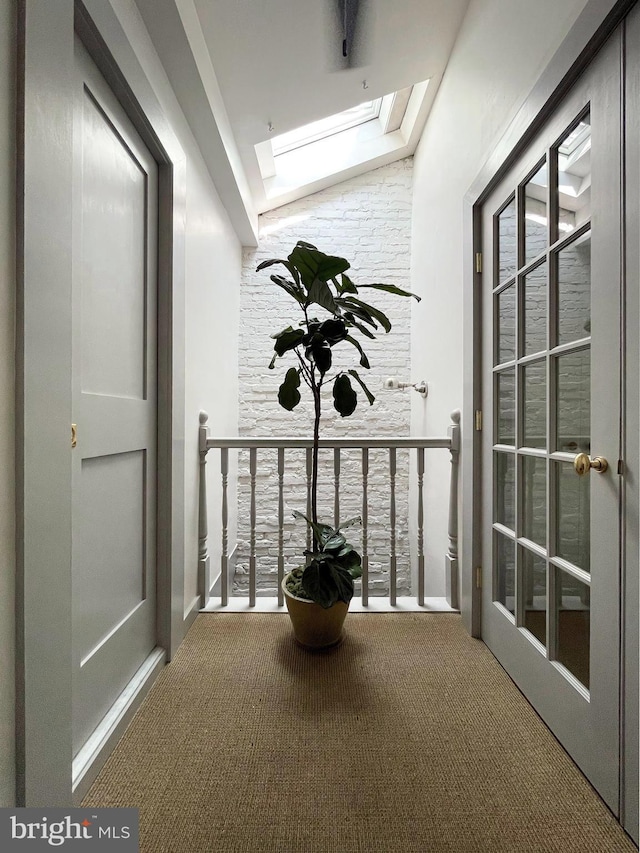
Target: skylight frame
278	180
329	126
575	139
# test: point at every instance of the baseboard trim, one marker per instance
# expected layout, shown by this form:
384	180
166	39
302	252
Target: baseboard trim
192	612
214	589
89	761
451	575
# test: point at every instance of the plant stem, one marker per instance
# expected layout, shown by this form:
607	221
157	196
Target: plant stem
306	373
314	472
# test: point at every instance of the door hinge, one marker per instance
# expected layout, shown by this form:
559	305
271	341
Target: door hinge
620	467
74	435
478	261
478	577
478	420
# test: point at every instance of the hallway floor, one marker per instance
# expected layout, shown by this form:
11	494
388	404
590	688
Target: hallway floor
407	737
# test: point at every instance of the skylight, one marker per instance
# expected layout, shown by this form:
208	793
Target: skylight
575	138
368	111
332	149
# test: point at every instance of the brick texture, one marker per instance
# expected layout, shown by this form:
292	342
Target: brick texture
367	220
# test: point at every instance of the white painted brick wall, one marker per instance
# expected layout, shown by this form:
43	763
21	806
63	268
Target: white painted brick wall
368	221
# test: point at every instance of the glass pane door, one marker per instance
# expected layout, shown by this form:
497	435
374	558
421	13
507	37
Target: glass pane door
551	353
542	337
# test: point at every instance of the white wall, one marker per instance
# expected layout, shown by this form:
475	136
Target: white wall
212	277
213	257
7	337
367	220
501	50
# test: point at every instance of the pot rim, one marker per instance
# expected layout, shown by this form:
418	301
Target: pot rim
290	594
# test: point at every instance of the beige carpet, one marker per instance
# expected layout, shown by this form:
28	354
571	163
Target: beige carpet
408	737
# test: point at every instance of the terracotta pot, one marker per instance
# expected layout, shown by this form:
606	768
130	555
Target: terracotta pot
315	627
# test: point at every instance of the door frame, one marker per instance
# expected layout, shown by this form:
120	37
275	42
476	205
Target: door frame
598	20
44	766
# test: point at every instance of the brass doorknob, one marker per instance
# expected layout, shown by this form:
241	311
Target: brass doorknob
583	464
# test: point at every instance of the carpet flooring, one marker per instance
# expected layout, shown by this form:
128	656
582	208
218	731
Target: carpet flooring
407	738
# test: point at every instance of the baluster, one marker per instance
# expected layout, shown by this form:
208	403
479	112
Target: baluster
420	526
392	522
365	526
451	560
336	486
224	559
204	581
309	472
280	524
252	517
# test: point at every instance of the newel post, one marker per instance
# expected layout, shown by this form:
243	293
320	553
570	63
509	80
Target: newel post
204	572
451	559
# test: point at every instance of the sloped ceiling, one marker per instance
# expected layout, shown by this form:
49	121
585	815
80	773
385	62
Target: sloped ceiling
279	62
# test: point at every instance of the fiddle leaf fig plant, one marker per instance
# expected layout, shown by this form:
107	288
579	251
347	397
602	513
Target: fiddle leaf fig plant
332	313
332	566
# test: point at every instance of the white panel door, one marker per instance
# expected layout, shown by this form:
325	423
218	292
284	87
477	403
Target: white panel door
551	400
114	400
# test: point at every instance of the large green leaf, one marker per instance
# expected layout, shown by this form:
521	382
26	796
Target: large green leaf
319	351
269	263
356	519
343	580
364	361
313	264
335	542
289	266
333	330
370	396
287	339
326	582
319	584
380	316
345	398
289	287
305	261
351	309
288	394
347	557
346	549
330	266
391	288
352	562
347	286
353	322
320	293
321	531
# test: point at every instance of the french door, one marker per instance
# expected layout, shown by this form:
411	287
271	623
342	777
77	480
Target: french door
552	422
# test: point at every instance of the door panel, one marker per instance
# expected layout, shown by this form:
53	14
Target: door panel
551	390
114	400
114	240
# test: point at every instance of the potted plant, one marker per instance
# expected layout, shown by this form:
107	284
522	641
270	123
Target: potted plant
318	594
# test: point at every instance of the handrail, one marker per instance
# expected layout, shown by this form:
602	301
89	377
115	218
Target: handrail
253	443
248	442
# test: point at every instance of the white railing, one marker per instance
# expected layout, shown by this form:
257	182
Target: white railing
280	446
